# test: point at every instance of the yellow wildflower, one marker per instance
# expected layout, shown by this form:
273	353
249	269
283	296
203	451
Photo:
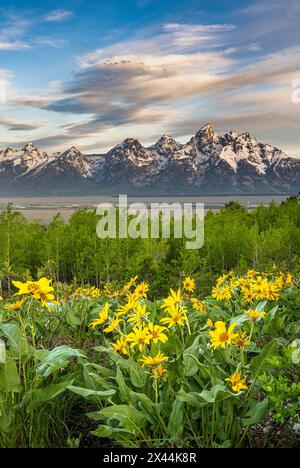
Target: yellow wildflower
113	325
157	333
16	306
173	299
141	290
159	372
121	346
140	314
35	288
241	340
198	305
221	280
247	295
103	316
139	336
220	336
221	294
271	292
289	279
255	314
260	290
189	284
95	293
177	316
237	382
153	361
210	324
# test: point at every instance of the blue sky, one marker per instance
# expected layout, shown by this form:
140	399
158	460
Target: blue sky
92	73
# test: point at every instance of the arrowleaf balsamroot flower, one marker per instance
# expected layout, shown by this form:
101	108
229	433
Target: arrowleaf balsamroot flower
255	314
103	317
247	295
128	307
221	293
153	361
121	346
237	382
40	290
158	372
173	299
16	305
210	324
141	290
220	336
241	340
113	325
140	314
157	333
198	305
140	337
177	316
189	284
35	288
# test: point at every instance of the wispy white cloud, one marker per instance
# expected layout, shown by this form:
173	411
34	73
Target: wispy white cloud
19	125
261	7
49	41
173	79
13	45
58	15
12	32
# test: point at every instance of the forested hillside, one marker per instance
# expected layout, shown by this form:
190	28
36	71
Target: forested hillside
71	252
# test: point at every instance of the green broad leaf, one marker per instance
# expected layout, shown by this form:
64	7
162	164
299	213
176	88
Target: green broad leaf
7	421
87	392
217	393
113	433
57	359
192	398
296	352
95	381
239	319
260	362
123	389
136	372
103	431
175	425
44	395
104	349
258	409
100	369
151	410
9	377
16	341
261	306
72	318
190	358
272	312
129	418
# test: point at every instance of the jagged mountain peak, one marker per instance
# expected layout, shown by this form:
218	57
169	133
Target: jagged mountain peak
72	152
165	139
166	146
31	152
207	131
208	164
30	148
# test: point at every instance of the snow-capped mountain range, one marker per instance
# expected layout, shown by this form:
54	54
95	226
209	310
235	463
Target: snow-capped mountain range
208	164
